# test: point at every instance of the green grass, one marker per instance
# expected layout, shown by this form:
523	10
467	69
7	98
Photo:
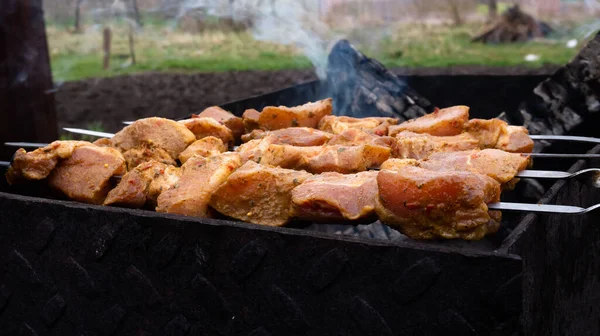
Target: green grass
158	48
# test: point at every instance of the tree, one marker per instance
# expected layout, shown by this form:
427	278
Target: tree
78	4
492	10
136	13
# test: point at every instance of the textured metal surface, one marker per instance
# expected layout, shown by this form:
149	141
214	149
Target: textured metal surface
71	269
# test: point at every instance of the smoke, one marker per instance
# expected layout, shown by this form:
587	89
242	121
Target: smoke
285	22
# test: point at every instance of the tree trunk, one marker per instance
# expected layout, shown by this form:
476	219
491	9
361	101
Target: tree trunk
27	110
106	47
492	10
455	12
78	28
136	13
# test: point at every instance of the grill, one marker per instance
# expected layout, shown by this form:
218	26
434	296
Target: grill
72	268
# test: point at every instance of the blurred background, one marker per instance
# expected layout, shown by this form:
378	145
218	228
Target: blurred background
124	59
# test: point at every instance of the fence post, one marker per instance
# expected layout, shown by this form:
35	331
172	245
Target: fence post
27	111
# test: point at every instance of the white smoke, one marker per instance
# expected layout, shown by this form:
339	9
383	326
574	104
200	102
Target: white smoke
286	22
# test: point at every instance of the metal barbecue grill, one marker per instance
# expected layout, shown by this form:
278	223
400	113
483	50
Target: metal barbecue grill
76	268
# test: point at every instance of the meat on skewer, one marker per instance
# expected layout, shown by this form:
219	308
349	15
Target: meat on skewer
273	118
339	124
496	133
356	137
205	147
500	165
334	197
167	134
425	204
444	122
419	146
228	119
142	185
37	164
204	127
295	136
258	194
492	133
200	177
317	159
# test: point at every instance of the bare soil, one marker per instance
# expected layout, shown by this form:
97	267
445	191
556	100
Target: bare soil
109	101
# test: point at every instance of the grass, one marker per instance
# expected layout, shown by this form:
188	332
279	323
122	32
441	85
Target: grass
159	48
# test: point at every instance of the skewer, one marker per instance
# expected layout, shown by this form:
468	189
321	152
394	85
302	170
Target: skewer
506	206
534	155
565	138
592	173
542	208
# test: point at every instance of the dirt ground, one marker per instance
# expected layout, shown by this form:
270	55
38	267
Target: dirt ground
109	101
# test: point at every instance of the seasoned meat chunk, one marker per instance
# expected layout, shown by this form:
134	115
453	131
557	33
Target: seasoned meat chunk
85	175
308	115
145	153
205	147
250	120
341	159
167	134
142	185
37	164
200	177
444	122
425	204
331	197
500	165
496	133
356	137
235	124
411	145
204	127
373	125
258	194
295	136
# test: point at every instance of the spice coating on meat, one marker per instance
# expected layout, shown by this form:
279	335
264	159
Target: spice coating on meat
356	137
411	145
500	165
85	175
425	204
37	164
335	197
200	177
204	127
146	153
250	120
444	122
321	159
143	185
338	124
496	133
235	124
205	147
167	134
295	136
258	194
308	115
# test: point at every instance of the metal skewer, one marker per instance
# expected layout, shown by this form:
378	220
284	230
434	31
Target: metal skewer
565	138
542	208
507	206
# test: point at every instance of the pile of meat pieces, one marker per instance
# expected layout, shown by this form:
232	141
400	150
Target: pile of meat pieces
431	177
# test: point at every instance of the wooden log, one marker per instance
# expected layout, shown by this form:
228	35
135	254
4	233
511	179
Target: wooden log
27	111
363	87
562	102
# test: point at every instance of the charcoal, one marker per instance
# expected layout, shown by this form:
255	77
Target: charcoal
563	101
363	87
